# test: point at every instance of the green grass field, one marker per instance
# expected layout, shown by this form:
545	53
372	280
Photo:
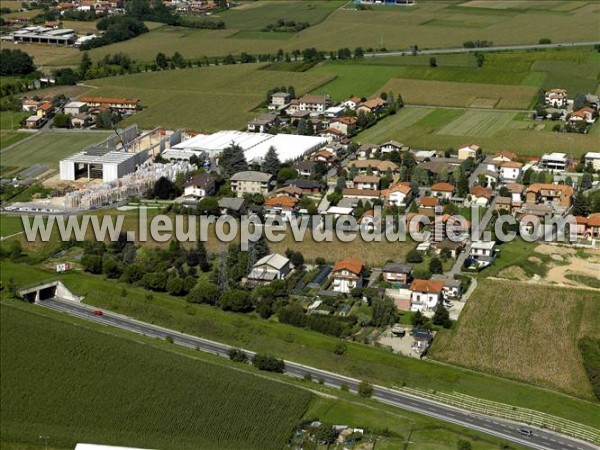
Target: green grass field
427	24
9	121
438	128
361	361
48	148
529	332
203	99
79	385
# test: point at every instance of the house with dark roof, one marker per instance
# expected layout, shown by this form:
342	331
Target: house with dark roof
306	168
263	123
397	273
306	186
232	205
200	185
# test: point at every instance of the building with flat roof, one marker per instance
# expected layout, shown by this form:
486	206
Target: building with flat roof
42	35
255	146
593	158
555	162
116	156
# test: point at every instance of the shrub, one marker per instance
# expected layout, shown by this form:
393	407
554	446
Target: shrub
237	355
268	363
365	389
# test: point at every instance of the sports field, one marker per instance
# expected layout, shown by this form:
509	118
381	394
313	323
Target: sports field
440	128
204	99
48	148
529	333
79	385
427	24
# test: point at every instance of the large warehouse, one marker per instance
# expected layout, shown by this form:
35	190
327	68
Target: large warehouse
116	156
254	145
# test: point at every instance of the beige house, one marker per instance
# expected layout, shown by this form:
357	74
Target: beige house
251	182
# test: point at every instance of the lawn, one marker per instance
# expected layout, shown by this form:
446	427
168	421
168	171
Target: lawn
524	332
9	121
203	99
360	361
49	148
127	393
430	128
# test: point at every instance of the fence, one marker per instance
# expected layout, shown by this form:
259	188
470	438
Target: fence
514	413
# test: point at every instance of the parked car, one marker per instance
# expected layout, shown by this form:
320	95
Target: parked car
448	304
97	312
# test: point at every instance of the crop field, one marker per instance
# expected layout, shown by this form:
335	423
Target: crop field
248	331
45	55
48	148
426	24
439	128
203	99
10	121
126	393
446	93
527	334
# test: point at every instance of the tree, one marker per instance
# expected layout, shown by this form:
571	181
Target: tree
204	292
441	316
418	320
435	266
92	263
480	59
164	189
414	257
544	41
15	62
175	286
365	389
161	60
271	164
581	205
586	181
85	65
110	267
579	101
326	434
432	62
340	348
383	312
236	300
237	355
268	363
233	160
65	76
208	206
286	173
463	445
359	53
61	120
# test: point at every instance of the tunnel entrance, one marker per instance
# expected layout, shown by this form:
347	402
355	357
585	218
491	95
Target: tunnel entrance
47	290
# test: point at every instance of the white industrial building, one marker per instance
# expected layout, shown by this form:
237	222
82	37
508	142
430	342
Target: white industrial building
289	147
116	156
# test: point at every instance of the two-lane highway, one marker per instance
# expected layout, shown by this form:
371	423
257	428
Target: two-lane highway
507	430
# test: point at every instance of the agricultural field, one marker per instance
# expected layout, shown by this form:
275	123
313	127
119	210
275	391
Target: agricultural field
45	55
204	99
127	393
440	128
530	335
427	24
10	121
360	361
47	148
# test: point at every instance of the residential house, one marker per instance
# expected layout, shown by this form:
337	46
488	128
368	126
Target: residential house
469	151
269	268
452	288
398	194
593	226
593	101
503	203
331	134
314	103
372	106
118	103
324	156
376	166
482	248
298	115
397	273
453	247
75	108
556	98
352	103
509	170
33	122
306	168
586	114
480	196
582	225
427	206
200	185
593	158
344	125
425	294
392	146
347	275
504	155
81	120
289	191
251	182
339	211
436	165
516	193
263	123
280	100
365	151
491	177
549	194
366	182
305	186
555	162
45	109
443	190
232	206
30	105
363	194
334	111
284	207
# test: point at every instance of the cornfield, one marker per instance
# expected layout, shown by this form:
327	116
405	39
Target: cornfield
77	385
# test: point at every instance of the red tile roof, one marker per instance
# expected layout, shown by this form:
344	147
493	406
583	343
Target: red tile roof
350	264
429	286
443	187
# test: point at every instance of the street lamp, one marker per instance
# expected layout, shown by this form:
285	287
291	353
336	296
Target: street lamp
45	438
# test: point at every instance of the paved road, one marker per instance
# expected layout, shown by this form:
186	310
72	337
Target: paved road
497	48
509	431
